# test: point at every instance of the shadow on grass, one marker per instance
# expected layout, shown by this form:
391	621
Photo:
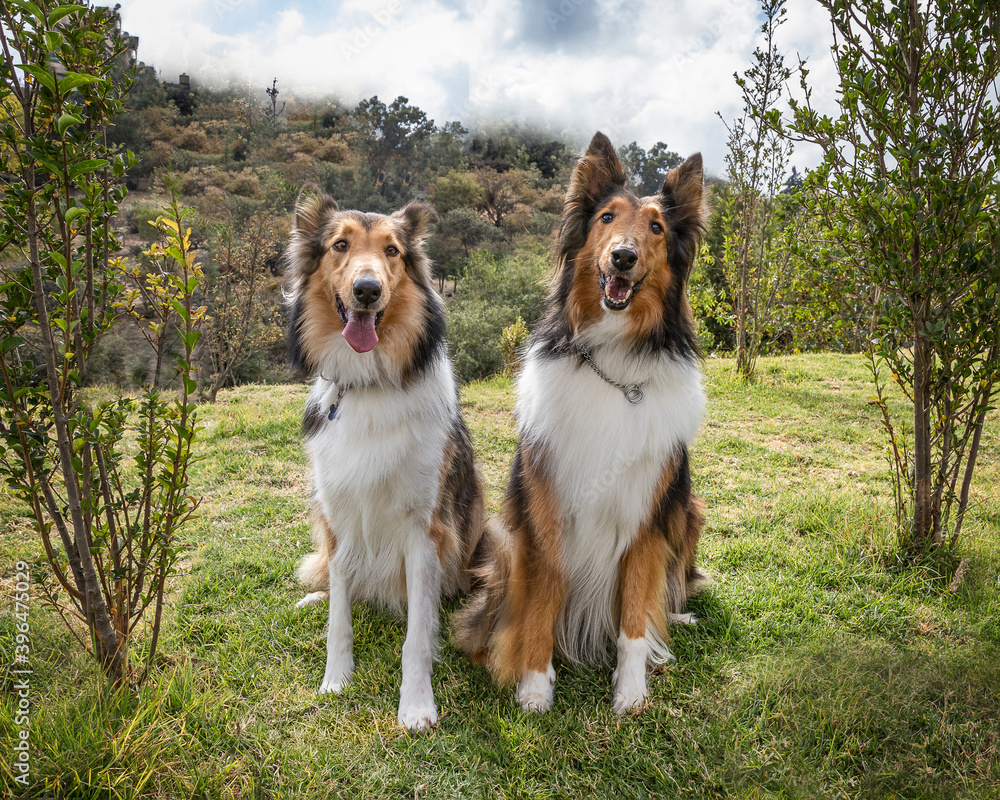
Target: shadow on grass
870	721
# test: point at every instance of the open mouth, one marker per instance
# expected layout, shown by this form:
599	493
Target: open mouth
359	326
618	291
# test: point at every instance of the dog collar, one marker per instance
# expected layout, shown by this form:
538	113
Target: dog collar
632	391
335	405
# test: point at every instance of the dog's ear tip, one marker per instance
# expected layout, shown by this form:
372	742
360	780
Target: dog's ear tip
599	139
311	207
419	216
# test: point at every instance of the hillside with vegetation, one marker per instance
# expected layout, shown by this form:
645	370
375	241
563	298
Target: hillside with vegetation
239	156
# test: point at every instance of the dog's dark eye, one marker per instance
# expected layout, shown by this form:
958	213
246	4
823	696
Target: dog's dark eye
656	227
392	250
607	216
340	244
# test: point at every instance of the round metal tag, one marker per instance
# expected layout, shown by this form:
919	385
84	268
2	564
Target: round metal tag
634	394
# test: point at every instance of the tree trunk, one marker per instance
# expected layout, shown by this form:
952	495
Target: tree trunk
106	642
923	531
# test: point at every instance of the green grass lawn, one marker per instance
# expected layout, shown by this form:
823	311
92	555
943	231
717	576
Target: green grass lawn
819	667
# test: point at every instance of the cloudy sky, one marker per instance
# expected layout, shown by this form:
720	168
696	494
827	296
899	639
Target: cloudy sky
643	70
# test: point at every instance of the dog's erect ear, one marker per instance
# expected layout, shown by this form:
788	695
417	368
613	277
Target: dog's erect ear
418	218
683	201
308	220
597	174
311	209
683	189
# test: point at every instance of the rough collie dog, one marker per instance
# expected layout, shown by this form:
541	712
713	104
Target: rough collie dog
397	511
596	541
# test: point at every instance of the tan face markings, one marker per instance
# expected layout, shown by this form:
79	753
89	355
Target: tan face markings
362	289
623	264
356	251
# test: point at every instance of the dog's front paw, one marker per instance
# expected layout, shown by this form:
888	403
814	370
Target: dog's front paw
629	677
536	689
418	716
335	686
682	619
336	678
630	692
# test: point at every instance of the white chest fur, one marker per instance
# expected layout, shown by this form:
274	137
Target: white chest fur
605	457
377	472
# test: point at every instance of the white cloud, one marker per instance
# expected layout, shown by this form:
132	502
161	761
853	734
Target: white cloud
641	70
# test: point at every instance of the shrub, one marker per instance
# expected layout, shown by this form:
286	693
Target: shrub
144	218
246	184
496	292
334	151
192	138
512	339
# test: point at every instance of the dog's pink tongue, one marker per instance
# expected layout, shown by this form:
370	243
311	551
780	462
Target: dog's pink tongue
360	330
619	288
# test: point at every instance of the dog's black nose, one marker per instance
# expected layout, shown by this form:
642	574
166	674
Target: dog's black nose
623	258
367	290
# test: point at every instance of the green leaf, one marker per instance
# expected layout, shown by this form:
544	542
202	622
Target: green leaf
73	213
61	12
181	310
10	343
35	11
51	166
91	165
64	122
53	40
40	74
74	80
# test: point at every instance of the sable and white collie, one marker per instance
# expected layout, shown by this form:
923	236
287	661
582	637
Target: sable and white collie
596	542
398	507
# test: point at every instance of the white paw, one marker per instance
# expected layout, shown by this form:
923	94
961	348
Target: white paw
418	716
336	678
312	599
623	702
629	677
682	619
630	692
629	681
335	685
535	690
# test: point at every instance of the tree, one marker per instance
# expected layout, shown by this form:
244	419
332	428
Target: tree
756	266
468	229
456	190
444	151
647	171
392	136
502	192
241	318
272	114
107	484
908	189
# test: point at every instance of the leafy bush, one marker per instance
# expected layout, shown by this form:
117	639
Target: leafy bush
246	184
512	339
143	223
334	151
496	292
193	138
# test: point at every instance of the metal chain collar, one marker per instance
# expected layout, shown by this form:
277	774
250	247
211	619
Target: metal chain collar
632	391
